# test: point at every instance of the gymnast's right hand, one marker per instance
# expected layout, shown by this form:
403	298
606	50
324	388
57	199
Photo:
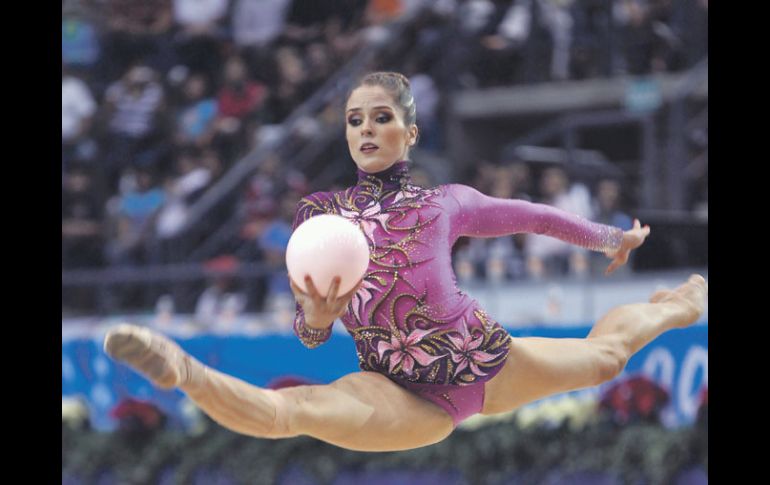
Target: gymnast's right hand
320	311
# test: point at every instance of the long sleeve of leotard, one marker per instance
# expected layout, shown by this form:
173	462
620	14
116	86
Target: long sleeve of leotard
478	215
308	207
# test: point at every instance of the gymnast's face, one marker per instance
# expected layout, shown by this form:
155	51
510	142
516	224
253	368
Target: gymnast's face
375	130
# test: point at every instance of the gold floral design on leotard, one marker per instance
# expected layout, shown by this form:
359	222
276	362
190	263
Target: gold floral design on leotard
397	330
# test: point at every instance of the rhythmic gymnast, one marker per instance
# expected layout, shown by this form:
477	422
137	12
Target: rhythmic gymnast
429	355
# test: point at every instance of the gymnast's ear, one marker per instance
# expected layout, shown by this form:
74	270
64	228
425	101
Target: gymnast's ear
412	135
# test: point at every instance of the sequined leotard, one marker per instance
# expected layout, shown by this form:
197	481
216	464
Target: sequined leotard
409	320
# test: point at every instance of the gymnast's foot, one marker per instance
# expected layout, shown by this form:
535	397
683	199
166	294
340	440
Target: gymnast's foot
151	354
689	297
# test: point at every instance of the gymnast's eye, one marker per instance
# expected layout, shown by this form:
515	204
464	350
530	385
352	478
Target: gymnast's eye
354	121
383	118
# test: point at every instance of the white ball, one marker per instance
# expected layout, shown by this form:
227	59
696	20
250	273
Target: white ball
326	246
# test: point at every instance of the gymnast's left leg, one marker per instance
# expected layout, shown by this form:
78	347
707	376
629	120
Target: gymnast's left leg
362	411
540	367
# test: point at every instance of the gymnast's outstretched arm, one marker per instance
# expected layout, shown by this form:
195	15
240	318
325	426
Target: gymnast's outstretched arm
477	215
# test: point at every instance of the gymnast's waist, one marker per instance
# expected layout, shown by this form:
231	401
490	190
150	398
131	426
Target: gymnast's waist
452	307
453	310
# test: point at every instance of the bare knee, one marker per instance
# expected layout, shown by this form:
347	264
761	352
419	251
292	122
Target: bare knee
612	357
293	405
315	410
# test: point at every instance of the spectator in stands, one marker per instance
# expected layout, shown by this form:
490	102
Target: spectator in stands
78	108
637	37
549	257
80	46
343	34
524	41
255	24
195	121
182	189
239	99
319	65
195	172
201	29
668	46
292	87
488	55
257	27
557	17
432	33
133	215
137	32
590	46
132	113
221	301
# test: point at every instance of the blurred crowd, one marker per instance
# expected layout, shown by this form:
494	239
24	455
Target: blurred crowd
160	98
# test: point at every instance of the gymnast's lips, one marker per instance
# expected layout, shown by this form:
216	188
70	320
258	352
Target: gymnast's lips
369	148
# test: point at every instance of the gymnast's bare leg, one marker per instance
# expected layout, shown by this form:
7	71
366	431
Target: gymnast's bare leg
362	411
367	412
540	367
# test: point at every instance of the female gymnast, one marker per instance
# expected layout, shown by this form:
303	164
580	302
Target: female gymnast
429	355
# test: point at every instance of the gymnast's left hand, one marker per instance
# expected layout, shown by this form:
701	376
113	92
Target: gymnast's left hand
632	239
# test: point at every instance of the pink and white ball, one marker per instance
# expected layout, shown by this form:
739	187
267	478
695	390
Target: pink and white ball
326	246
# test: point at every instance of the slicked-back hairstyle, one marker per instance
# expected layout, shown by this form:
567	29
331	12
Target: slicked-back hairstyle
397	85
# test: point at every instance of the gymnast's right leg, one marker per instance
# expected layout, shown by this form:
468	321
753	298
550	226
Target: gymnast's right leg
363	411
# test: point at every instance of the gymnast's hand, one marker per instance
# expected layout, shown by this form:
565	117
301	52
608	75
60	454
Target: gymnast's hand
321	311
632	239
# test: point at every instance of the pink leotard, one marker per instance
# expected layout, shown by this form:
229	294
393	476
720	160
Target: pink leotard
409	320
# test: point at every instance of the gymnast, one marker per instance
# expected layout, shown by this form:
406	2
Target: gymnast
429	355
